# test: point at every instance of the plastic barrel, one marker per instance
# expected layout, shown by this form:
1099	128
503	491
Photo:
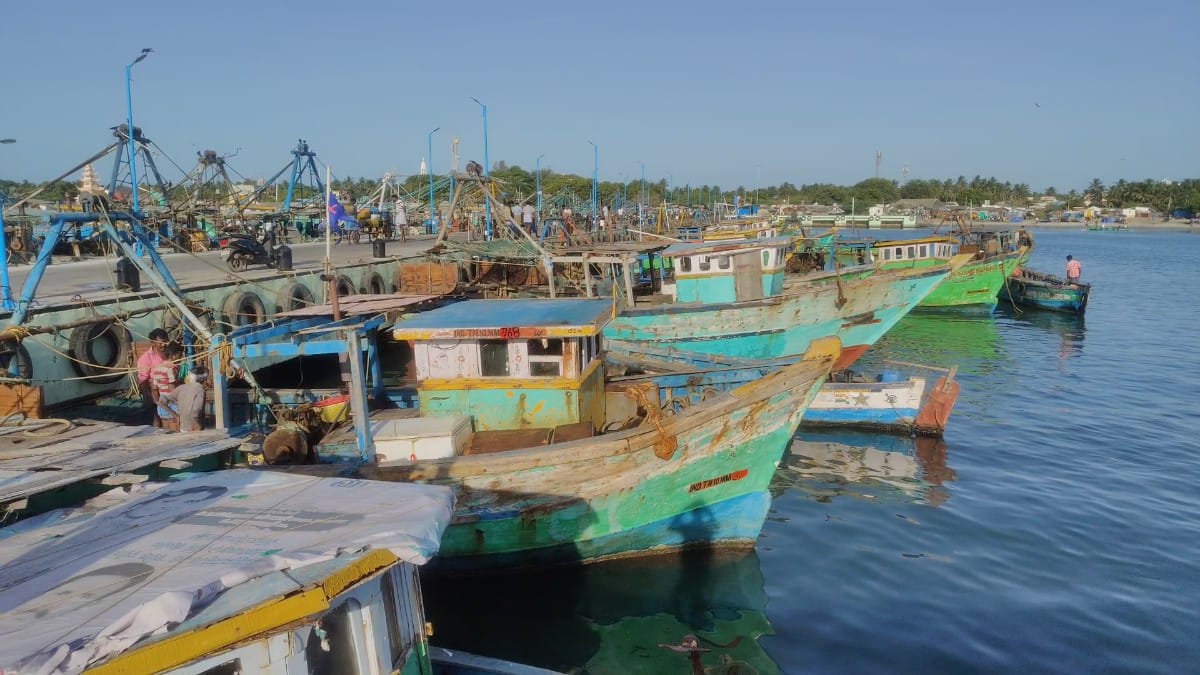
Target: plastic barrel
379	248
283	259
128	276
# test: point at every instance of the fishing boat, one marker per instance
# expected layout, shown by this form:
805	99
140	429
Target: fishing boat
734	298
890	402
549	465
226	572
994	256
1030	288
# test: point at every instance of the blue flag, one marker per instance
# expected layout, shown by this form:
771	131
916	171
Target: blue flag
337	214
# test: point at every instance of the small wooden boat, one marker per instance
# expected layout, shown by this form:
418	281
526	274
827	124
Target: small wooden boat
1029	288
890	403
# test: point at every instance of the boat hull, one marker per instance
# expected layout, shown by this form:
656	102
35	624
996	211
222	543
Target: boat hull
615	495
1054	296
976	283
784	325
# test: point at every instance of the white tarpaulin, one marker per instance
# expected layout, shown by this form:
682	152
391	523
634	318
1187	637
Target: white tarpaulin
89	586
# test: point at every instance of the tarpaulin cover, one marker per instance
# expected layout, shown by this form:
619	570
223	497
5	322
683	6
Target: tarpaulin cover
91	584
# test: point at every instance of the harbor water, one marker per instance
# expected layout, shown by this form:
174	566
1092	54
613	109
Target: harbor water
1055	529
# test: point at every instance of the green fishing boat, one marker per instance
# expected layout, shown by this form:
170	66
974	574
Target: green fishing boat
997	255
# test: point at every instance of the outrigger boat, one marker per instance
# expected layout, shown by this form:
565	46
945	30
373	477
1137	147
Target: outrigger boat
1046	291
549	465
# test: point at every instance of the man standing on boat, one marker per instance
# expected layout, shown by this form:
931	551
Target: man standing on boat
1074	270
147	362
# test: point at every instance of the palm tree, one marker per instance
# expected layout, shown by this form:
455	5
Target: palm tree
1096	190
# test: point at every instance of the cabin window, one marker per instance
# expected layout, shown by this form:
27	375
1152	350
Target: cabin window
545	357
924	251
912	252
899	253
722	262
887	254
391	600
493	358
339	626
766	259
685	264
704	265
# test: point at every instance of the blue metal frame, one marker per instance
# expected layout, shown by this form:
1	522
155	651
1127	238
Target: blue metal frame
138	234
285	339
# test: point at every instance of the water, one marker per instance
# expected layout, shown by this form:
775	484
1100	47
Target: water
1055	529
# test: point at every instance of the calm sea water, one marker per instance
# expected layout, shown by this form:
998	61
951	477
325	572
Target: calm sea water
1056	529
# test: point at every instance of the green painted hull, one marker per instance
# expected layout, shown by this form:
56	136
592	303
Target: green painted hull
612	495
976	283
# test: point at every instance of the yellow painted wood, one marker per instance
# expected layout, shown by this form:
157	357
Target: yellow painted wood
181	649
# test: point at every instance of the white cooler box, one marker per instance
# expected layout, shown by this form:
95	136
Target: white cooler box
420	437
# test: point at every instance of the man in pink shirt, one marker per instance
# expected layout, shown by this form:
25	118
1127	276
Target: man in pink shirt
146	364
1074	270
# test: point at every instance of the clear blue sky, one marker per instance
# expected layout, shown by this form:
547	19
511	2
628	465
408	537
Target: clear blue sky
708	92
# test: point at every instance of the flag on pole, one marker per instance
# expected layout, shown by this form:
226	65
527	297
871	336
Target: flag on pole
337	214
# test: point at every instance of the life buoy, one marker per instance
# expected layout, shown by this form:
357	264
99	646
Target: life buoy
243	308
373	284
100	351
344	286
293	296
15	361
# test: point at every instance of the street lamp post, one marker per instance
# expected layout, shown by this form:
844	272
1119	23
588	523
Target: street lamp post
487	172
537	171
133	177
595	176
429	167
5	288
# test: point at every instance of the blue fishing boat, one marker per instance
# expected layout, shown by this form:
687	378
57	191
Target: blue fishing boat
734	298
1039	290
890	402
550	465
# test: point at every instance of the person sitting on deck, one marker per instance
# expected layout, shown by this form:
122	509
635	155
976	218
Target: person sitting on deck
189	400
1074	270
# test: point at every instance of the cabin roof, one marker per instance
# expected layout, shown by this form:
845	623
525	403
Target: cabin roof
523	318
724	246
922	240
618	247
236	538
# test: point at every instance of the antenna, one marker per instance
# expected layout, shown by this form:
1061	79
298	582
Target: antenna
878	161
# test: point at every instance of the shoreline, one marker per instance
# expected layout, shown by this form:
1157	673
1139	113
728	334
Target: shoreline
1174	226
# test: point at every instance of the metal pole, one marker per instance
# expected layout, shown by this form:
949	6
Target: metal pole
429	168
5	287
487	173
642	199
133	177
595	175
538	178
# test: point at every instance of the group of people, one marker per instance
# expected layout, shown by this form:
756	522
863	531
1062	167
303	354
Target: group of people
172	394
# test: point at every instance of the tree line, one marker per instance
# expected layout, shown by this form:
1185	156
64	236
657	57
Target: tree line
519	184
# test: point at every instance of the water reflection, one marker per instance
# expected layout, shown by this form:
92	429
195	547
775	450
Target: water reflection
969	339
615	617
874	467
1069	328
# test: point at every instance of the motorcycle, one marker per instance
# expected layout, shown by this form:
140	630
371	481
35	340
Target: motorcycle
243	250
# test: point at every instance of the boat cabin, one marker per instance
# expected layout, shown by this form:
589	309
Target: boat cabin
912	250
728	271
511	364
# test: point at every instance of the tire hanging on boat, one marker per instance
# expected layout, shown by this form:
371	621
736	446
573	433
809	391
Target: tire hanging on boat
243	308
373	284
101	351
293	296
344	286
15	361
